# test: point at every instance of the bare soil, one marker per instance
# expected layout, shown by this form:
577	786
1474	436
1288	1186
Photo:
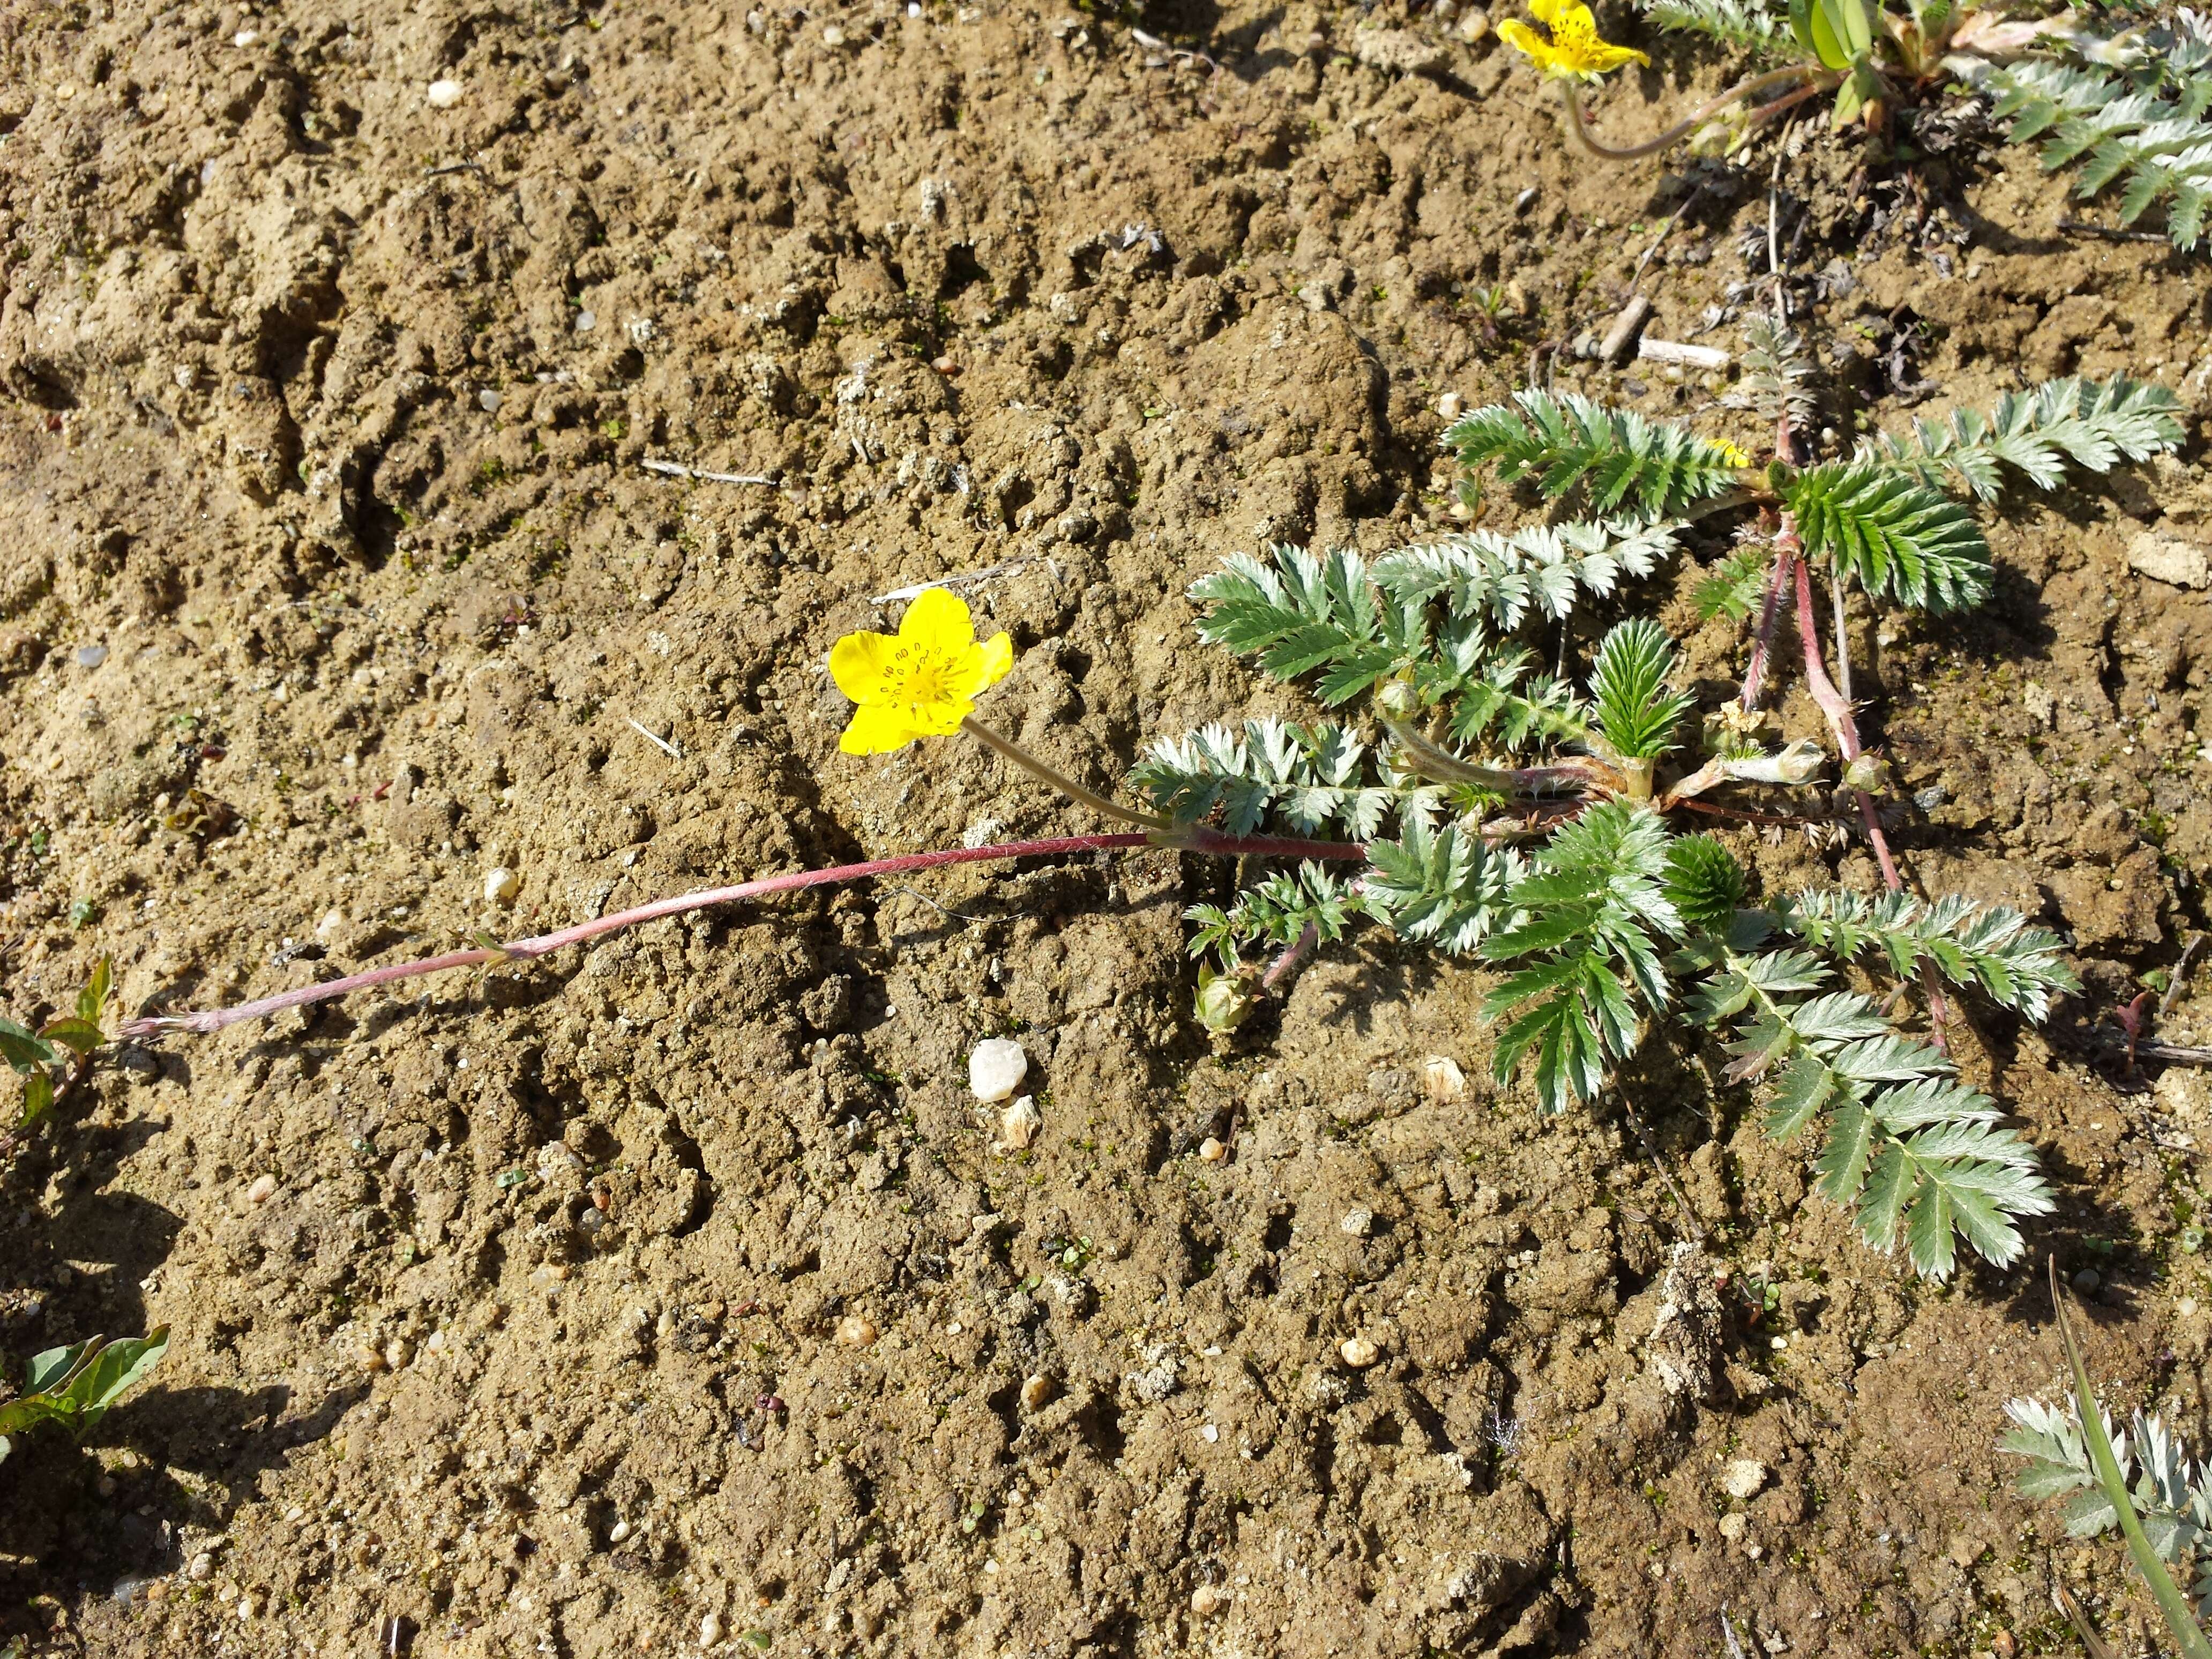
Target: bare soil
330	579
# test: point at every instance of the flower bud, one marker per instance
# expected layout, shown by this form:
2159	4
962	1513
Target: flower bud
1223	1002
1396	699
1867	774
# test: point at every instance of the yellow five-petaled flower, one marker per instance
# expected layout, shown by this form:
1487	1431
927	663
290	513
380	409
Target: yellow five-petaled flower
921	682
1574	52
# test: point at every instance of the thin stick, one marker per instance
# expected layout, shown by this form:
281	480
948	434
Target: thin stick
661	744
1191	840
1643	1140
1788	820
1665	230
2180	975
676	470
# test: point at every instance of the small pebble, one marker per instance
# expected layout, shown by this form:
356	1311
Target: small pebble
248	1607
488	401
261	1190
833	37
1449	405
1358	1353
444	94
1207	1600
1020	1121
710	1630
397	1352
1358	1224
996	1066
501	885
91	656
2088	1280
1210	1434
1036	1391
586	321
202	1567
1443	1079
857	1331
185	375
1212	1150
618	1532
1742	1477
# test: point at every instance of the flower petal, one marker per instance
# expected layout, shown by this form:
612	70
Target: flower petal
938	618
998	652
860	663
1525	41
875	729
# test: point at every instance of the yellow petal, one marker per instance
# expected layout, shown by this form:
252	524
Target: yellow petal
1525	40
878	729
860	664
938	618
1546	12
998	654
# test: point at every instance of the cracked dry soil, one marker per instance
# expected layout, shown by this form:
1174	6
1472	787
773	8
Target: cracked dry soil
330	579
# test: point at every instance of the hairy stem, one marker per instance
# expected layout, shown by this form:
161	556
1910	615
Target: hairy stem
1007	749
1587	142
1287	964
1838	708
1191	838
1785	554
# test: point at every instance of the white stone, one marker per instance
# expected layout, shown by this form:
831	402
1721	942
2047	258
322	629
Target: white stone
1357	1223
1742	1477
444	94
2166	557
1444	1080
710	1630
1212	1150
501	885
1449	405
1207	1600
996	1067
1020	1123
1358	1353
263	1187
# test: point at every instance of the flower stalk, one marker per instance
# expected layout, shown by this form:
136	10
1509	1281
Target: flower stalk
1811	82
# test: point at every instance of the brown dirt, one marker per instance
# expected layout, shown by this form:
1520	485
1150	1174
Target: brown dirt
301	426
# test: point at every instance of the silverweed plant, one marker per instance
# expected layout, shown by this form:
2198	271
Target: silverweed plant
2131	107
2141	1484
1531	819
1469	800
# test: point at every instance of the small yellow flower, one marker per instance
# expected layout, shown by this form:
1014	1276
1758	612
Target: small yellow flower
1574	52
921	682
1733	453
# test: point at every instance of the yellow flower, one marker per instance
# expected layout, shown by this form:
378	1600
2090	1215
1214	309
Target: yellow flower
921	682
1733	453
1574	52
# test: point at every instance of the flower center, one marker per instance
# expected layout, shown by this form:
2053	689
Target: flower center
925	677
